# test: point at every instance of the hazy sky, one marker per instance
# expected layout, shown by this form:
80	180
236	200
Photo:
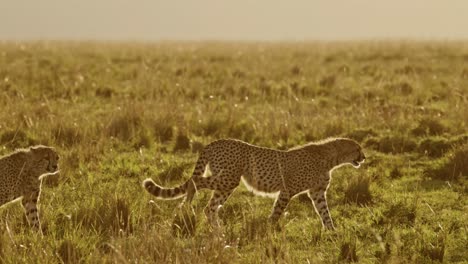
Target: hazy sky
233	19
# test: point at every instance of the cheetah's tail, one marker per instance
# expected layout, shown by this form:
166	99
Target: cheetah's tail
165	193
177	192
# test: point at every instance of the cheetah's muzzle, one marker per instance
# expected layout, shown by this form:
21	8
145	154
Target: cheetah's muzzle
357	162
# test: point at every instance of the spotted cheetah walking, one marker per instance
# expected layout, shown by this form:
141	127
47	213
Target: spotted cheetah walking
282	173
21	173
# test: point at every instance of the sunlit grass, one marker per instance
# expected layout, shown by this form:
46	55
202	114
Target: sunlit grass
120	113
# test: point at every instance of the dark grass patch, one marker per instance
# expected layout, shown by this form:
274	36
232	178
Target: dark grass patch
399	213
125	125
70	160
242	130
104	92
393	144
163	130
327	81
361	134
409	69
3	245
434	146
67	135
119	215
433	250
452	166
276	252
429	126
111	217
295	70
437	146
401	88
333	130
215	126
197	147
13	139
358	190
181	142
348	251
143	139
69	252
395	173
174	172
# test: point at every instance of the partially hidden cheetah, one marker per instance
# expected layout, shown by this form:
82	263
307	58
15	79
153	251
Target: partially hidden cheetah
266	171
21	174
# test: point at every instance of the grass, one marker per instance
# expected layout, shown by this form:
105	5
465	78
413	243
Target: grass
120	113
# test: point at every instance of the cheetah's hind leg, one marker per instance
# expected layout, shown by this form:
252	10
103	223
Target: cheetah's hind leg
29	203
211	210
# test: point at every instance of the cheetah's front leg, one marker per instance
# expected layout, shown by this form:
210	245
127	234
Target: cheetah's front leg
319	199
29	203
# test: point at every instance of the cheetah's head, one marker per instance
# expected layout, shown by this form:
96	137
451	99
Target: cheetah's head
46	159
352	153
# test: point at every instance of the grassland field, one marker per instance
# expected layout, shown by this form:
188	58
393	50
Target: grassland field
122	112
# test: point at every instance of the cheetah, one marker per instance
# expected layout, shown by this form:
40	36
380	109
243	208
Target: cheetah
21	174
283	174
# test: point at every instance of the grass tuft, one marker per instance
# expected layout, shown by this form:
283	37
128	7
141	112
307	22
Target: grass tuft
108	217
67	136
215	127
295	70
125	125
429	126
197	147
400	213
434	251
348	251
327	81
174	172
253	228
105	92
358	190
392	144
403	88
163	130
143	139
361	134
16	139
434	146
184	223
181	142
120	216
452	166
242	130
68	252
396	173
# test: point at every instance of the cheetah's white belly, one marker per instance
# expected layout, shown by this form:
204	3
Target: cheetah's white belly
258	192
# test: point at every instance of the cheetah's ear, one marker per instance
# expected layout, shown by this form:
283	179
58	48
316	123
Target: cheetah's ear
36	149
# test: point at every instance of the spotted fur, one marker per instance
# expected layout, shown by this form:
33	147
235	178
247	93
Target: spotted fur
21	175
267	171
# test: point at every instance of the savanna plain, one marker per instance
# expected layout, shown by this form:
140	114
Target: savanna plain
118	113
